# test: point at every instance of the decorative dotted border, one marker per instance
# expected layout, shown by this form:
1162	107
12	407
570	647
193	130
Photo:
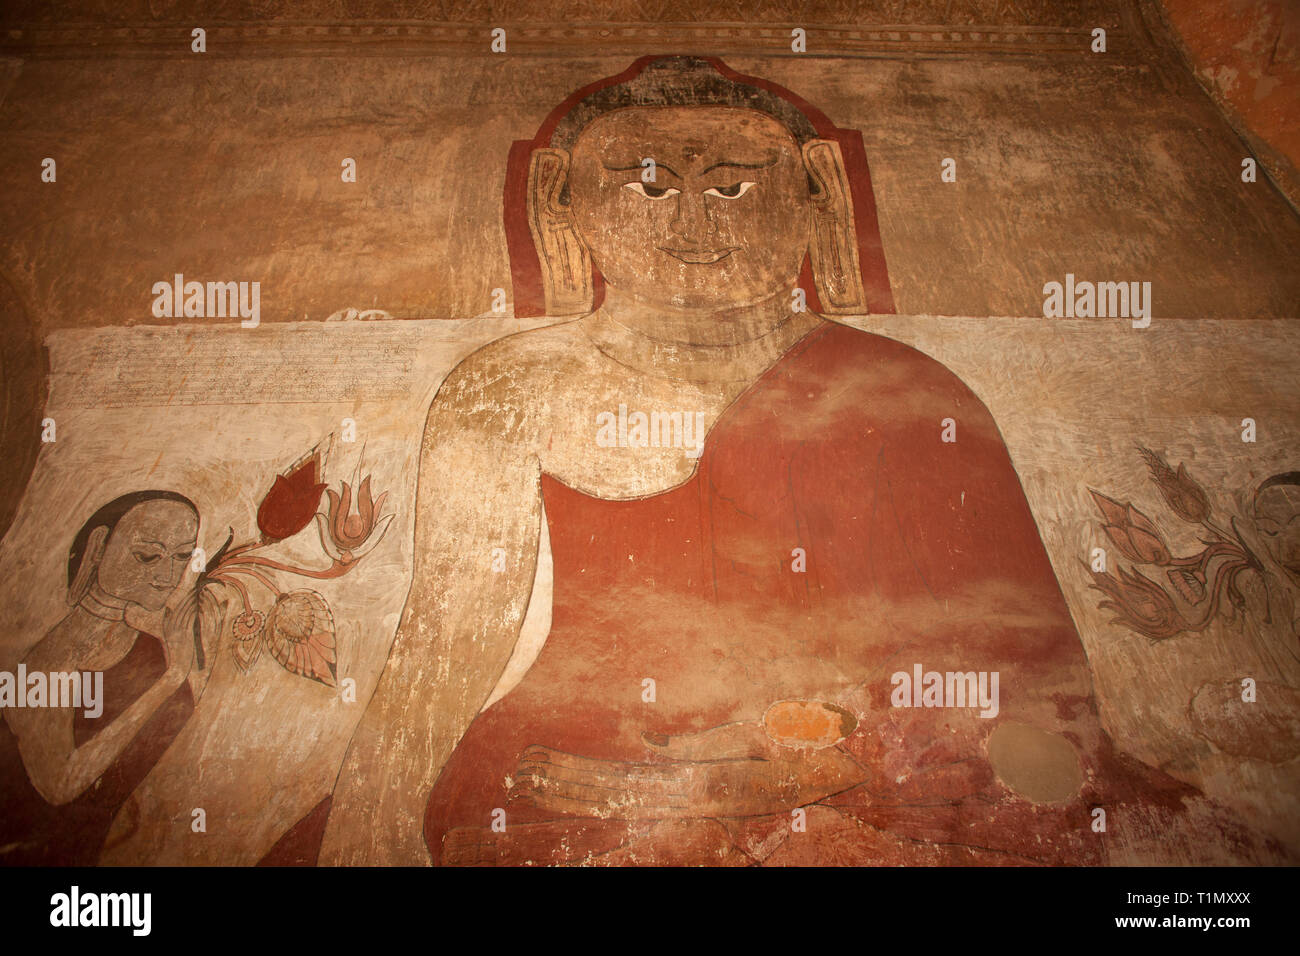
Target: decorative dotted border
401	38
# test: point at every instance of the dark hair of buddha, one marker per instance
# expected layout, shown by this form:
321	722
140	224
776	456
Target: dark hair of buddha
679	81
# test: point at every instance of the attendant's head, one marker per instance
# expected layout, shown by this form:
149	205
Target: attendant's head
742	189
1277	518
134	550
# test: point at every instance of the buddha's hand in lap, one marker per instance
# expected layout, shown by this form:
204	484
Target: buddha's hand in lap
734	770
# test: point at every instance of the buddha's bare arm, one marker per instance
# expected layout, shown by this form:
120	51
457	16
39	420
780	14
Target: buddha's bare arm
478	490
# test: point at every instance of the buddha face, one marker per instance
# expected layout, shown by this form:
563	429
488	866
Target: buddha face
146	553
725	221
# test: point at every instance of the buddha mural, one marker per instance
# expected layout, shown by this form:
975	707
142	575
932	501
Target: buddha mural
726	619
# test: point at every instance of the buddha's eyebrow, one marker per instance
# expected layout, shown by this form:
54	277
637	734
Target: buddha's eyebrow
762	165
638	167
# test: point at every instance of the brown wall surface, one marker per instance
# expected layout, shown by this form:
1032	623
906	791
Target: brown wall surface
1247	53
225	165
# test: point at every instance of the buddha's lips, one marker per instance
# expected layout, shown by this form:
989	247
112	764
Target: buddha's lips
700	256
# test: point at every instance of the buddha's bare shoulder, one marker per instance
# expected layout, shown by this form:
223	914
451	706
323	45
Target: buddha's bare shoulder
517	373
529	359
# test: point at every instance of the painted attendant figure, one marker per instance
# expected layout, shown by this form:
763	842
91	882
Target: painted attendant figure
65	774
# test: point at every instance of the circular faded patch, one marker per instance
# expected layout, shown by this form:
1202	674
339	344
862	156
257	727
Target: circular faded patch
807	724
1040	766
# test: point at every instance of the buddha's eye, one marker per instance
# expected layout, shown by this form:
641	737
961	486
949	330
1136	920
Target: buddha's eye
734	191
651	192
146	557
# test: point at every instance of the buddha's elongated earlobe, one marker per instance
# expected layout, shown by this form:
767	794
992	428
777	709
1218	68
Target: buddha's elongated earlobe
566	266
834	245
90	559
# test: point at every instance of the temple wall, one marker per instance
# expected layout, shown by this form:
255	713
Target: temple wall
225	166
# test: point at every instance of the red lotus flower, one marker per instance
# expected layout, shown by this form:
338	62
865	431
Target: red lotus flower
1140	604
343	535
1184	496
1131	531
290	504
351	530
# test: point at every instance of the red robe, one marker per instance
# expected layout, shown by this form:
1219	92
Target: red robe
918	551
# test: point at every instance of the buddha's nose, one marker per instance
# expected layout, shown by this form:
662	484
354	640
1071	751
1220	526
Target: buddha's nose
693	220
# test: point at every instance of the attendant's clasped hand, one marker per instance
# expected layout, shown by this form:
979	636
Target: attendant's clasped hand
174	625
